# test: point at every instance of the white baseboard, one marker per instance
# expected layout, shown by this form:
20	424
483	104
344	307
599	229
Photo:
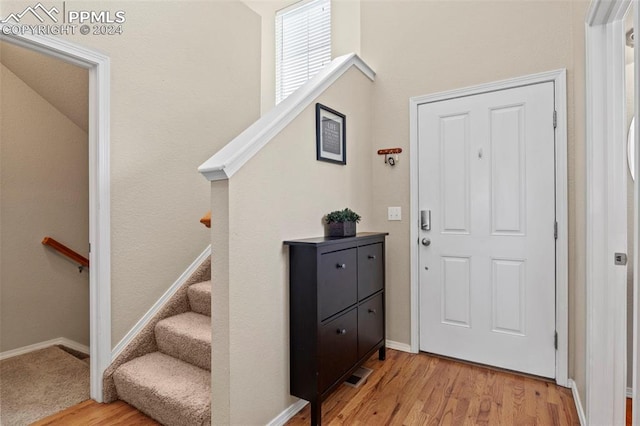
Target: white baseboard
288	413
629	392
73	345
160	303
576	400
398	346
36	346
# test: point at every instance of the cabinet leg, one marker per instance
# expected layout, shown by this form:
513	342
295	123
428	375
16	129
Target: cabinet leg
382	353
316	413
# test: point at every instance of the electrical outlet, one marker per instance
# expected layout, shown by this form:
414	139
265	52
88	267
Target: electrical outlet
394	213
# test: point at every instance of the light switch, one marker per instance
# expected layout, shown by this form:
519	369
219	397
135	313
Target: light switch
394	213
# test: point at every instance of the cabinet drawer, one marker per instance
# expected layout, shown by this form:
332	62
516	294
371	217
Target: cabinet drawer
337	286
338	348
370	324
370	270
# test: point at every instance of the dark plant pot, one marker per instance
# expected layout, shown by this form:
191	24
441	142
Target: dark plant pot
342	229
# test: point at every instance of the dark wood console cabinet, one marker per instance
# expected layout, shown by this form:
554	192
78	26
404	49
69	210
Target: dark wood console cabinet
336	311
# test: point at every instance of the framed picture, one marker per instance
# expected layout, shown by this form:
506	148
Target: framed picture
331	133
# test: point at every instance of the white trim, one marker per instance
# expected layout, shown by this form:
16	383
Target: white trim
293	6
74	345
37	346
578	402
182	279
99	189
629	392
636	234
548	76
288	413
558	77
235	154
398	346
414	226
606	225
562	242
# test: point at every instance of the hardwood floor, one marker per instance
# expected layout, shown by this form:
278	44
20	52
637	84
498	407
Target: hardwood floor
406	389
91	413
421	389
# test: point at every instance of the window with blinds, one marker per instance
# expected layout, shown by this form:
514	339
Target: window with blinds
303	44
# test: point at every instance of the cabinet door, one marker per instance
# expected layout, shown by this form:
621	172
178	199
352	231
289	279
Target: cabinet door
370	270
370	324
337	284
338	349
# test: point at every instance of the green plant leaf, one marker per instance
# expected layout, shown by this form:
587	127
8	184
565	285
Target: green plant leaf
346	215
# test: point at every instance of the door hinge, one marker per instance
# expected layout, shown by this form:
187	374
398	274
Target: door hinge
555	230
89	247
555	340
555	119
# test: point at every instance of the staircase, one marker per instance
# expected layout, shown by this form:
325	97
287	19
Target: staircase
173	384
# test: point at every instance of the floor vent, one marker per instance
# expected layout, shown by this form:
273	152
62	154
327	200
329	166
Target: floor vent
358	377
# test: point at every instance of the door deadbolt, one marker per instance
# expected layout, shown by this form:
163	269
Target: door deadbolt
425	220
620	259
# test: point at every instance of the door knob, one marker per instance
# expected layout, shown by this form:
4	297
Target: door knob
426	242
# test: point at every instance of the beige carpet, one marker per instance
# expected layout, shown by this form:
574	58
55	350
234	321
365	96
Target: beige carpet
173	384
40	383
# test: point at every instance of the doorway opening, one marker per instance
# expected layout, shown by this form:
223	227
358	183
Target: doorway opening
44	198
98	67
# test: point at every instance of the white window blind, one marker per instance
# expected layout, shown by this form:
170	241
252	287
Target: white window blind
303	44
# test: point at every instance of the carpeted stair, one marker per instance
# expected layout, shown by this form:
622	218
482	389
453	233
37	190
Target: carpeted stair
173	384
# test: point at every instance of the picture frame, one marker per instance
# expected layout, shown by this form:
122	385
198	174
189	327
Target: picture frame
331	135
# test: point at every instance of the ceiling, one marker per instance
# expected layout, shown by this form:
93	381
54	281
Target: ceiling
63	85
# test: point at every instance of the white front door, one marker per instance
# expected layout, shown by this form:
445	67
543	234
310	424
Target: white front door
487	277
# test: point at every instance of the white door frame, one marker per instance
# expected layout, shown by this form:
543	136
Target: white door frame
559	79
636	233
606	227
98	65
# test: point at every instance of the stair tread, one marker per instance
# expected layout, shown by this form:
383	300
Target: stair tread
186	336
193	324
169	390
200	297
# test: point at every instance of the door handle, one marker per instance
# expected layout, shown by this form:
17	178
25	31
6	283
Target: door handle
426	242
425	220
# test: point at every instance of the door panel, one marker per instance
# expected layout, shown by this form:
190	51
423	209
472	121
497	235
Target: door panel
337	285
455	295
487	281
454	146
370	325
508	191
370	270
508	285
338	347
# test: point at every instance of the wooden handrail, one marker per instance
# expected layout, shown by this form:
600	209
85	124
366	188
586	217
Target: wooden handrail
66	251
206	219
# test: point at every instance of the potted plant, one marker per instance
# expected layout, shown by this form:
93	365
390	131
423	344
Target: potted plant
342	223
